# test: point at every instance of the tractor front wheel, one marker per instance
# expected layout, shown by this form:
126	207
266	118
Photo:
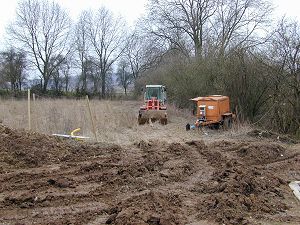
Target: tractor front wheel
142	120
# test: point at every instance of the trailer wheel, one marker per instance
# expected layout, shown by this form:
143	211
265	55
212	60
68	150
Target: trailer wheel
187	127
227	123
216	126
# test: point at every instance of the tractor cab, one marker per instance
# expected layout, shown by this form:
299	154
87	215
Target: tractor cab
155	92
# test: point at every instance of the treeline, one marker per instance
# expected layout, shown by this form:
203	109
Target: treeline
194	47
229	47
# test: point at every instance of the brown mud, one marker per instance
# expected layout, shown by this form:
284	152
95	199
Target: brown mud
47	180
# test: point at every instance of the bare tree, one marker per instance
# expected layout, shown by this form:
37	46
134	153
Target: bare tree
236	22
202	23
81	46
61	75
42	30
124	77
56	78
13	68
65	68
93	73
179	20
141	53
286	56
106	35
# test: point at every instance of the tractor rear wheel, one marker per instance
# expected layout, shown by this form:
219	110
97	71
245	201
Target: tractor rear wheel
163	121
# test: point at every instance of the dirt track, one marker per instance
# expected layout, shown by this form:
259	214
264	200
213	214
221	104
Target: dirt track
45	180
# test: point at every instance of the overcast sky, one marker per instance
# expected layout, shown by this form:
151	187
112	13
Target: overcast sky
130	9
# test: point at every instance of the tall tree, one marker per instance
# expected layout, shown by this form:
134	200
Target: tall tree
286	56
60	75
93	73
141	53
236	23
81	46
124	77
199	24
41	30
106	35
13	68
180	20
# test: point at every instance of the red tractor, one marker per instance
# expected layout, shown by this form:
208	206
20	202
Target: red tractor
155	105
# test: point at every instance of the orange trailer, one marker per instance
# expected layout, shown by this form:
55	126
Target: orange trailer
213	110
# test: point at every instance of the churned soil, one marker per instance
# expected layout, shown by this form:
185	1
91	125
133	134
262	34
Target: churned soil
48	180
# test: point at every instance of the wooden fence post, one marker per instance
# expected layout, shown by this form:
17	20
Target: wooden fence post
91	116
33	112
29	111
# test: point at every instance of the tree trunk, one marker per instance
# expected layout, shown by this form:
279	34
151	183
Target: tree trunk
20	85
84	78
12	86
67	85
103	85
45	85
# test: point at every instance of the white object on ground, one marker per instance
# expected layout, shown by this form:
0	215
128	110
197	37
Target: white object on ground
295	186
70	136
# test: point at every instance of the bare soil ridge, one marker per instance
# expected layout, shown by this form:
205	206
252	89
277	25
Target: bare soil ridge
47	180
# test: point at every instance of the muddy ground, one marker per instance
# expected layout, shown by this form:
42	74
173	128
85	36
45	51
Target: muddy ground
206	181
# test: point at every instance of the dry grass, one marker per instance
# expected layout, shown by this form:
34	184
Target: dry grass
48	116
116	121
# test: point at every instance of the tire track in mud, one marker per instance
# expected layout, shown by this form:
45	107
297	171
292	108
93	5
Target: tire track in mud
148	182
56	197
